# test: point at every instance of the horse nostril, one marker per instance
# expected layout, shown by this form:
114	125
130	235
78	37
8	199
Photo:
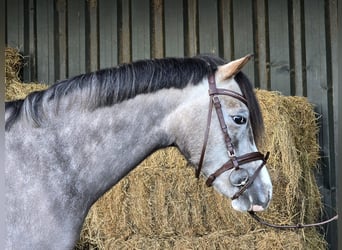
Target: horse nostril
239	177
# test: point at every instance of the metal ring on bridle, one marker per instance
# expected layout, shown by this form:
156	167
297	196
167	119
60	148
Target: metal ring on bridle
239	177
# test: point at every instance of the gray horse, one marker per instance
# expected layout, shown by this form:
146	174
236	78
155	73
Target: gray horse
67	145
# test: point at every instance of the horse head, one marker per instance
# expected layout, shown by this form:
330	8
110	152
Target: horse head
232	124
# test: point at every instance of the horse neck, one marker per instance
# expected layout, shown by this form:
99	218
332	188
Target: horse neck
102	146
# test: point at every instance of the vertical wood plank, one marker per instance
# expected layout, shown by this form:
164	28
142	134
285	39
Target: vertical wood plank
296	57
92	63
45	42
125	47
333	51
319	88
208	26
157	42
76	38
191	26
225	29
29	68
61	41
316	57
140	29
174	28
331	25
338	130
279	46
262	79
243	33
108	33
15	24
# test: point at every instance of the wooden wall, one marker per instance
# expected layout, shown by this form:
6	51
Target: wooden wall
294	43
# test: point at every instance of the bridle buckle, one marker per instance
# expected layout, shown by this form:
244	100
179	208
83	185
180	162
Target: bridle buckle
231	154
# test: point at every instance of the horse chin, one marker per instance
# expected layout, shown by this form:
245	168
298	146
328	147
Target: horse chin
241	205
244	204
244	207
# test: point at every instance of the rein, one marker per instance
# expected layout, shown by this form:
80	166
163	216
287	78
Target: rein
297	226
234	161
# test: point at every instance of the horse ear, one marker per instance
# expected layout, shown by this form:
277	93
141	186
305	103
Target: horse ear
228	70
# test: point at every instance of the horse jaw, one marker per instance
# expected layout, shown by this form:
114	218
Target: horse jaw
256	198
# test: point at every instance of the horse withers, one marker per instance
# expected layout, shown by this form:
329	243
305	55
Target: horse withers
67	145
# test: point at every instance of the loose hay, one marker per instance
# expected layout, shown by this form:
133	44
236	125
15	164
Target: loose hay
15	89
161	205
13	61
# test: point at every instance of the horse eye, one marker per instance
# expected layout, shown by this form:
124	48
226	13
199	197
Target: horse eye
239	119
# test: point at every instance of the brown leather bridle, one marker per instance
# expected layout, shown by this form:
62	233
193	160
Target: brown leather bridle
234	161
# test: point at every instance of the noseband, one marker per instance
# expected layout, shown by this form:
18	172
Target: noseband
234	161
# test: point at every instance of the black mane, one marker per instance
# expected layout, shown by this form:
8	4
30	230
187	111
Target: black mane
114	85
117	84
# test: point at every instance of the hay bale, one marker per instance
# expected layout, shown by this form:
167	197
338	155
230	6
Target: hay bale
215	240
160	205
